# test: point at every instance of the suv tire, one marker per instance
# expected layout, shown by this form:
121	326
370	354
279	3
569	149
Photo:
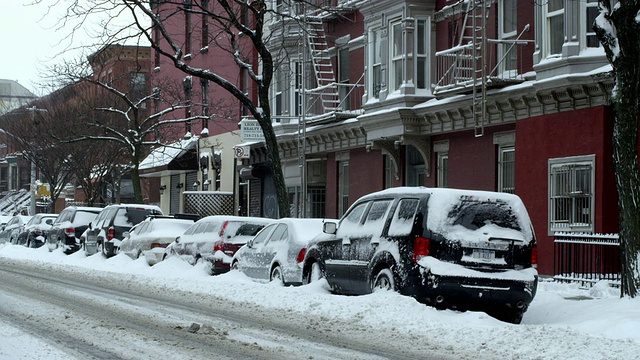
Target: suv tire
383	280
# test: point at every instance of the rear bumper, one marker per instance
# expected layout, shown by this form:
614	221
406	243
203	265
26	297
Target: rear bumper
471	293
153	256
219	261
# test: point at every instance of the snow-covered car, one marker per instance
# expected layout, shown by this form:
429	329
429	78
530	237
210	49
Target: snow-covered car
276	253
67	228
105	232
34	232
150	237
13	228
226	247
460	249
197	243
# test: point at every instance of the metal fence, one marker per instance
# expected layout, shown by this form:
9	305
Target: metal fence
587	258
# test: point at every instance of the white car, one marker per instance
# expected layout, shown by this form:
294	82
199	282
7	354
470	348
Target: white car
277	252
150	237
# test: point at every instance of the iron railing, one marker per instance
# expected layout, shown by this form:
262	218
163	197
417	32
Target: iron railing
587	258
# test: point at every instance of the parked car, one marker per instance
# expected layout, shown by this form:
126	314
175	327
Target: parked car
105	232
466	250
276	253
150	237
34	232
13	228
197	243
67	228
227	246
4	219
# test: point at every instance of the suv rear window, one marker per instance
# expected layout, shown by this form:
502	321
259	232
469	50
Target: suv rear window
474	214
500	214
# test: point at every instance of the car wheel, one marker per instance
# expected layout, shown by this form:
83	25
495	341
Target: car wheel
235	266
316	272
276	275
513	316
102	249
383	280
164	257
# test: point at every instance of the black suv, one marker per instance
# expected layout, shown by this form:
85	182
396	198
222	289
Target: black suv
68	227
459	249
105	232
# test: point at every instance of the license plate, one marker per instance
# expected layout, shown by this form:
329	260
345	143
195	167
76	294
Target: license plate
485	255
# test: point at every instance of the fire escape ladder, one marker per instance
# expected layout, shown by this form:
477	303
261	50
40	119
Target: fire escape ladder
326	87
474	37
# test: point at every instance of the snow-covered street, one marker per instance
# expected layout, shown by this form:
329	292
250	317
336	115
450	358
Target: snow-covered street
563	322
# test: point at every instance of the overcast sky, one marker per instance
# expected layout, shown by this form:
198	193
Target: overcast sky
32	41
29	42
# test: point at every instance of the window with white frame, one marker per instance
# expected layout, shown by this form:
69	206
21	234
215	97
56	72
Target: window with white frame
554	28
375	54
507	169
343	78
508	25
591	12
343	186
389	172
571	198
422	80
279	93
443	169
397	55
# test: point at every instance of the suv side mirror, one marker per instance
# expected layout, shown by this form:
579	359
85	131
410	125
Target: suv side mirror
126	234
250	243
329	228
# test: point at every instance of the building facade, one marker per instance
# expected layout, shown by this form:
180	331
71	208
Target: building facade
516	102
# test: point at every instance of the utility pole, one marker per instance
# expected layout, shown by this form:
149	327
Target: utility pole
32	186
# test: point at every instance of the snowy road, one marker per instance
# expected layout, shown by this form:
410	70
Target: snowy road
97	317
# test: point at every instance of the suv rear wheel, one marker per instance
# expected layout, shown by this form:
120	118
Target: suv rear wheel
383	280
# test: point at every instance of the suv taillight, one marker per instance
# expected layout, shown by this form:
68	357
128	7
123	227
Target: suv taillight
420	248
158	245
217	246
223	228
301	255
70	232
111	233
534	256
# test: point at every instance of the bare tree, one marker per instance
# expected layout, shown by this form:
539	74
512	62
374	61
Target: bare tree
128	121
618	30
245	41
31	130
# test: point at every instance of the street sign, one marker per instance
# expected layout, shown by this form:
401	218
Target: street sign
250	130
242	152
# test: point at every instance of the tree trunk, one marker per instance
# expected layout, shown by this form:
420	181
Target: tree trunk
622	47
625	154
